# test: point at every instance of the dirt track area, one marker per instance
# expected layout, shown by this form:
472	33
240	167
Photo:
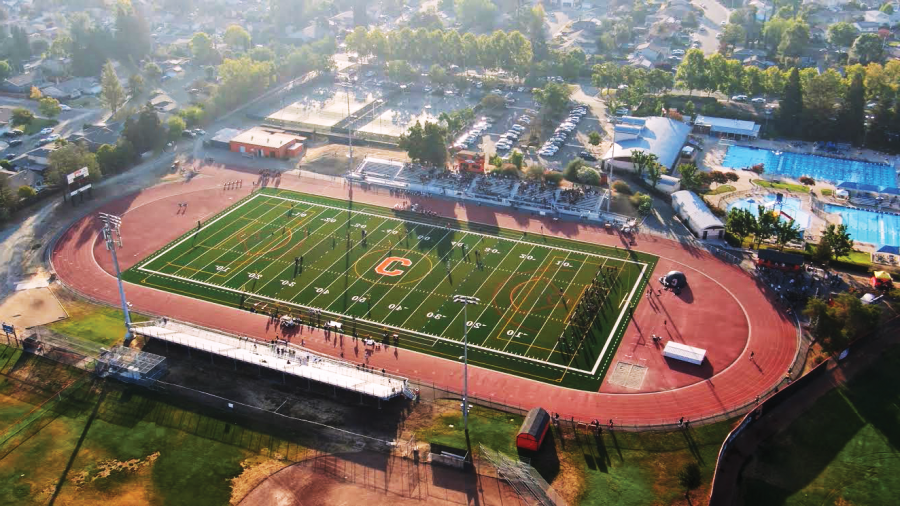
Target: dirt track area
333	160
372	479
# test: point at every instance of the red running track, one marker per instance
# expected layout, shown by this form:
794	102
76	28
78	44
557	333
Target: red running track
727	311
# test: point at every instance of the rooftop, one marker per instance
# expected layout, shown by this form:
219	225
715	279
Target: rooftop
692	205
728	126
661	136
267	137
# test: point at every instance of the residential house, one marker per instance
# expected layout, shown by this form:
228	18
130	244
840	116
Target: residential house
95	136
650	51
37	161
866	26
163	103
56	66
22	83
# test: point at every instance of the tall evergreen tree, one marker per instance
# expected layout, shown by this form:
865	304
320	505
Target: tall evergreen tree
112	94
853	112
790	110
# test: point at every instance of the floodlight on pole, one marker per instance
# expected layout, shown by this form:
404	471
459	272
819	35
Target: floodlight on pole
112	234
465	300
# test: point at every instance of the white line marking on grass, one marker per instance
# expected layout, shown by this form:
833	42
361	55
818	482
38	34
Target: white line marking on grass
279	273
471	232
523	317
566	324
611	337
340	257
535	303
251	264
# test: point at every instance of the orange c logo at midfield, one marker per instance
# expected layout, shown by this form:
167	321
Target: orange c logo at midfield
387	262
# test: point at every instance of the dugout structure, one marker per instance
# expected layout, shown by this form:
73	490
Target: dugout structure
534	429
131	365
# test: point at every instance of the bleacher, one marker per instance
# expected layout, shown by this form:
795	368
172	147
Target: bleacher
579	200
533	193
493	187
413	173
382	169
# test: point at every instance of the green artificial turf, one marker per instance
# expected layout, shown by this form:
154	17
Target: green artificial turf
290	253
844	450
99	324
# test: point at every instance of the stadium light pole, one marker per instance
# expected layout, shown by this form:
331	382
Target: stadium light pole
465	300
612	158
113	236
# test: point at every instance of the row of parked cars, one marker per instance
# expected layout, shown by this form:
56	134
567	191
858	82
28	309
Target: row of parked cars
471	137
551	147
512	135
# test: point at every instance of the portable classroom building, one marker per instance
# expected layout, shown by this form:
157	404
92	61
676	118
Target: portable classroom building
533	429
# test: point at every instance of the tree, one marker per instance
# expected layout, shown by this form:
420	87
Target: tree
517	158
145	133
400	71
135	85
853	111
733	35
5	70
49	107
35	93
691	73
535	172
655	173
493	101
152	72
68	159
838	240
438	75
841	320
867	48
790	109
740	223
570	173
554	97
794	40
19	47
785	232
476	13
641	160
689	109
237	38
887	8
594	138
842	34
425	144
176	126
765	225
240	80
132	35
26	192
589	176
202	48
112	94
688	173
262	54
21	116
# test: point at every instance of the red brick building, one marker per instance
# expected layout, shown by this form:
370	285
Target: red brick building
267	142
470	161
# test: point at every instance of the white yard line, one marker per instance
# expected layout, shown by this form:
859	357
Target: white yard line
243	269
516	331
554	309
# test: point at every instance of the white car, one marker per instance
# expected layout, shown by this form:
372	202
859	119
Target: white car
758	100
64	107
678	52
46	131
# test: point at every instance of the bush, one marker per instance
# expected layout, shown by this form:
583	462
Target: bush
827	192
808	181
588	176
689	476
553	177
22	116
732	240
732	176
622	187
26	192
5	164
642	202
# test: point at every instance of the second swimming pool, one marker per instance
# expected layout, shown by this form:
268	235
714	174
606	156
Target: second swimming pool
788	209
869	226
817	167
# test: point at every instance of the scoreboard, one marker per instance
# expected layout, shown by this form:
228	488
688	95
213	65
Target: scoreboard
78	183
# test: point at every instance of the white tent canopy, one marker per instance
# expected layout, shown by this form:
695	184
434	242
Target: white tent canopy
684	353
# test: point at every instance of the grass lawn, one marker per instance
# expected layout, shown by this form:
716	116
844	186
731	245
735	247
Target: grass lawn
550	309
623	468
92	322
37	125
134	449
723	188
797	188
844	450
827	192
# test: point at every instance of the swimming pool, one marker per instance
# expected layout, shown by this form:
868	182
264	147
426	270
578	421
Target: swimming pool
869	226
788	209
823	168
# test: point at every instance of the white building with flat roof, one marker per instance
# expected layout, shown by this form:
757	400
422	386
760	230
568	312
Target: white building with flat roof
663	137
696	215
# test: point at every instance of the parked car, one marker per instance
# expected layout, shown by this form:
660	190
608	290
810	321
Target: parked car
64	107
15	142
587	156
199	131
758	100
188	134
739	98
52	137
46	131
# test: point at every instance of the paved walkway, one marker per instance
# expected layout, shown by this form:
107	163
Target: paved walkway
150	220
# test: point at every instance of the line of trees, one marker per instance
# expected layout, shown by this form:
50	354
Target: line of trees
509	51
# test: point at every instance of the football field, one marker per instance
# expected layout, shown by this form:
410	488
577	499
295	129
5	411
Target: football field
550	309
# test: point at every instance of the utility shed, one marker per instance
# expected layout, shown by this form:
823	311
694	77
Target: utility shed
533	429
